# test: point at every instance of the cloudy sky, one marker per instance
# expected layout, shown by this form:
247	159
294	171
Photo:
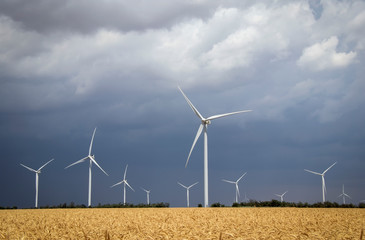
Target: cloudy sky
67	67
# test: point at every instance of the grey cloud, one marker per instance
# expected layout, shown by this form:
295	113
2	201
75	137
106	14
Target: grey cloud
89	16
65	68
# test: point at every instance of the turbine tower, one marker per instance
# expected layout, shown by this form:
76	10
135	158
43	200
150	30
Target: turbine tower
124	181
246	199
236	183
343	194
281	196
148	195
324	191
92	160
187	191
204	125
37	172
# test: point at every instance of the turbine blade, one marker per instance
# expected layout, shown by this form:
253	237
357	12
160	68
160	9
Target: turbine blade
193	184
191	105
224	180
45	164
92	159
340	195
285	193
324	185
129	185
31	169
125	172
277	195
182	185
313	172
241	177
238	190
92	140
347	195
329	168
200	129
77	162
117	184
226	114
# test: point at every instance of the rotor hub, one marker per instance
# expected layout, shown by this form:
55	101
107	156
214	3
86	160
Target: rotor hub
206	122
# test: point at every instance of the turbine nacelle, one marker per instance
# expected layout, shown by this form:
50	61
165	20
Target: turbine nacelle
206	122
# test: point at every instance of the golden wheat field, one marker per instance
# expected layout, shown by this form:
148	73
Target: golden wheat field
183	223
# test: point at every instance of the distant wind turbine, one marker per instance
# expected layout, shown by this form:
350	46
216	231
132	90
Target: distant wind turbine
187	191
124	181
37	172
236	183
281	196
92	160
324	191
148	195
204	125
343	194
246	199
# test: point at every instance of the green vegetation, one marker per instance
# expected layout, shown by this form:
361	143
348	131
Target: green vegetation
276	203
118	205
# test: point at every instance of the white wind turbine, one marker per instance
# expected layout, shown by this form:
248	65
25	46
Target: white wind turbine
246	199
324	191
124	181
343	194
148	195
37	172
236	183
187	191
204	125
281	196
92	160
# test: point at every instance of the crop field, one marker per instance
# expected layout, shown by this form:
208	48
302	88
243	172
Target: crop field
182	223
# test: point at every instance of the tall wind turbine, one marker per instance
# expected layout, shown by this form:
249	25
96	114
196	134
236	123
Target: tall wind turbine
187	191
281	196
124	181
324	191
148	195
37	172
204	125
343	194
92	160
236	183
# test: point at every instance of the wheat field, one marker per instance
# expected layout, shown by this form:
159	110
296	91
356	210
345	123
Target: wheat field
183	223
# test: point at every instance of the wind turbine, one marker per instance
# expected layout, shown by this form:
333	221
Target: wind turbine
246	199
323	182
343	194
124	181
281	196
187	191
92	160
37	172
236	182
148	195
204	125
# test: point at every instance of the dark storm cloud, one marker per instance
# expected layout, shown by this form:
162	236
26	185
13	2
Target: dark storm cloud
88	16
67	67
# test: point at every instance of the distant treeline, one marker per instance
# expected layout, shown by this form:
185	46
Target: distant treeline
276	203
117	205
252	203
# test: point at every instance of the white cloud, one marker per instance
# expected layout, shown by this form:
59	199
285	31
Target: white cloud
323	55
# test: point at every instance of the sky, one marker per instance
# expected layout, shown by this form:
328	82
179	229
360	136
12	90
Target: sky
67	67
